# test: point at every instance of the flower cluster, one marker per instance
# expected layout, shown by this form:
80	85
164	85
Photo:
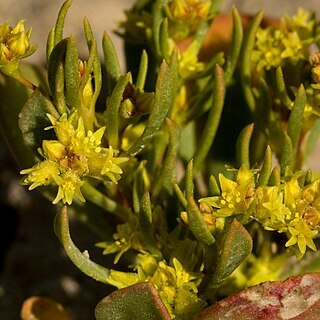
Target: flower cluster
176	280
177	286
289	42
14	45
185	16
287	208
127	237
75	154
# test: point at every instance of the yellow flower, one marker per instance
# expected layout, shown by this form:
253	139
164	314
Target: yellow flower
41	174
14	45
302	21
63	127
301	234
127	237
53	150
236	196
311	196
178	288
270	210
268	48
110	167
69	184
304	202
75	154
86	143
292	209
189	63
292	193
293	47
185	16
184	10
88	89
274	46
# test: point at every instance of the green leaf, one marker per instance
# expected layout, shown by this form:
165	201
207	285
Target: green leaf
213	121
180	195
236	42
282	90
296	117
112	111
56	75
165	39
287	156
236	247
189	185
49	45
82	261
13	97
88	267
96	67
71	71
140	185
33	120
197	224
245	65
146	228
308	177
214	187
275	178
143	69
243	146
58	30
157	15
164	98
168	174
56	34
265	171
188	141
137	302
111	62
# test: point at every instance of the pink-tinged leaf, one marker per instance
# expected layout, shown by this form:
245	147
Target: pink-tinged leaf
296	298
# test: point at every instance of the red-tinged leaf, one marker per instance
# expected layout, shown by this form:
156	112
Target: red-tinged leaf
297	298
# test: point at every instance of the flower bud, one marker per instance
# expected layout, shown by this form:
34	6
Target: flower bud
53	149
14	45
18	44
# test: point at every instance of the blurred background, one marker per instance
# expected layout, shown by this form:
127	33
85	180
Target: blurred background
31	259
104	15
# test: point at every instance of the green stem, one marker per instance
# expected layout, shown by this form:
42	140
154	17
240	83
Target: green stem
213	121
26	82
102	201
88	267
